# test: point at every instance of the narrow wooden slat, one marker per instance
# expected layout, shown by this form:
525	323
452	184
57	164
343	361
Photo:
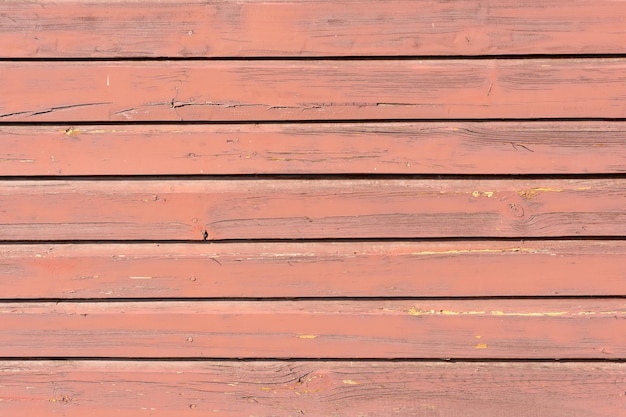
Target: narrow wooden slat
347	148
589	328
356	269
286	209
44	29
311	90
427	389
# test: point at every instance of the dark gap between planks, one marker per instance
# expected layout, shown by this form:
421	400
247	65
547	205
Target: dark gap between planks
327	58
320	299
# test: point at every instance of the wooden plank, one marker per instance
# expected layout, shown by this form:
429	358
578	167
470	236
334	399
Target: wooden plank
355	269
311	90
70	29
344	148
290	209
552	328
432	389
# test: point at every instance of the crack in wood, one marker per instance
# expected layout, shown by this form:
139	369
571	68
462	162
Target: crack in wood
52	109
178	104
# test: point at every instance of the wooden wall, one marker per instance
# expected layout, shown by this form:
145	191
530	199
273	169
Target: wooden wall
313	207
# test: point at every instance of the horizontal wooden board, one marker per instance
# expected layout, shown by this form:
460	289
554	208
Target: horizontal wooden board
355	269
291	209
552	328
43	29
343	148
311	90
427	389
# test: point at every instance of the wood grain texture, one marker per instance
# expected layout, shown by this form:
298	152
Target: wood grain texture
456	93
344	148
428	389
552	328
70	29
311	90
292	209
355	269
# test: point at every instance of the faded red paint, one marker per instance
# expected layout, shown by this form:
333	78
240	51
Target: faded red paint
506	249
311	90
291	388
162	389
511	329
294	209
328	148
337	269
301	28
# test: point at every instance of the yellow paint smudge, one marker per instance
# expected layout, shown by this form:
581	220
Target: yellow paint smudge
28	161
548	190
307	336
456	313
534	192
477	337
478	251
72	132
350	382
533	314
140	277
418	312
481	346
413	311
600	313
487	194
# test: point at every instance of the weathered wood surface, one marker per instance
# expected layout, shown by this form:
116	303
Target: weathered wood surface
330	269
292	209
311	90
300	28
426	389
344	148
73	286
532	329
